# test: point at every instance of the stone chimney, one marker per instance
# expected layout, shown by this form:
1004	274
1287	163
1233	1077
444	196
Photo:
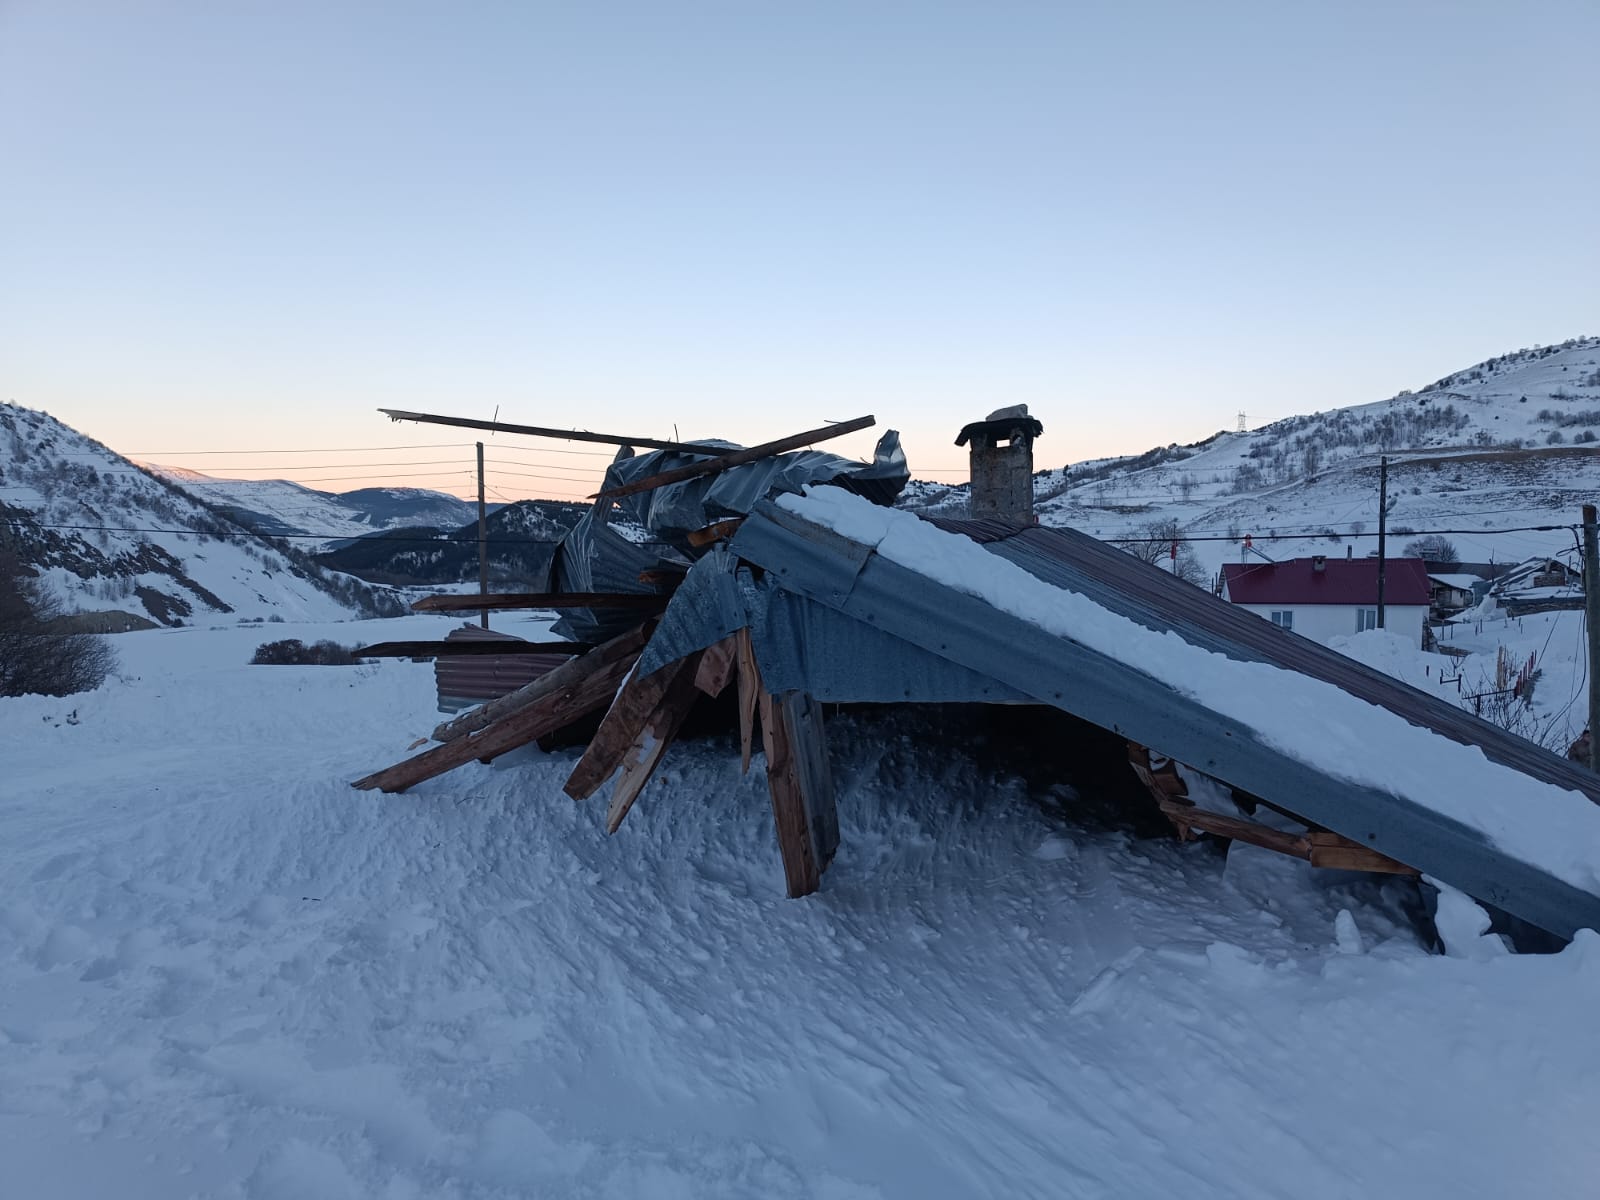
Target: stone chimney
1002	464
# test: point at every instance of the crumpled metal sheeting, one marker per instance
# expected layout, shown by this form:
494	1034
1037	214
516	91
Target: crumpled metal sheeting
678	509
804	646
594	558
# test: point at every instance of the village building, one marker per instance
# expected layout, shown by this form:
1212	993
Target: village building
1323	598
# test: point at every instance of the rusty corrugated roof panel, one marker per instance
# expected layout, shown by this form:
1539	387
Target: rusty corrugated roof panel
469	680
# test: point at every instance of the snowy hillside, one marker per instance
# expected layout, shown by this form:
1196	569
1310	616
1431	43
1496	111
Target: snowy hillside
1509	442
107	537
279	507
522	539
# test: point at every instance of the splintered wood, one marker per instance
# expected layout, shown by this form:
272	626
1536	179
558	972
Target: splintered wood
1319	847
642	722
801	786
572	691
625	724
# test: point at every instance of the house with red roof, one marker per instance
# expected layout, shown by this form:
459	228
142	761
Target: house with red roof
1322	598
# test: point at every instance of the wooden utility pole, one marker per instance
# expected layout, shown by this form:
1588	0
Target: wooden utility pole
1383	523
483	541
1591	610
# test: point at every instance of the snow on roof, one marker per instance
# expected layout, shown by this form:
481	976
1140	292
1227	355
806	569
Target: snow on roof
1311	720
1339	581
1463	582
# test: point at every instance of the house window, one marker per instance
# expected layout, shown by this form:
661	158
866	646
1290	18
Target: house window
1283	618
1366	618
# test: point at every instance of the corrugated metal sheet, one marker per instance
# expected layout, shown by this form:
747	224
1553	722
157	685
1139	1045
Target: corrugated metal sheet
916	615
469	680
595	558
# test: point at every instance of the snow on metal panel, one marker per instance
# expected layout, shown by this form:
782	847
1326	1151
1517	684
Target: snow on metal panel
1059	671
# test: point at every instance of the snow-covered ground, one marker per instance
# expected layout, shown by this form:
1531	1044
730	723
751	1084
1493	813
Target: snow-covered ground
225	973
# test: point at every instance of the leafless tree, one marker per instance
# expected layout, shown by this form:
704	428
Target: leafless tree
1153	543
36	656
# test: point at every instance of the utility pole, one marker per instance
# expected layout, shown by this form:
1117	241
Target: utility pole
1383	524
1591	612
483	542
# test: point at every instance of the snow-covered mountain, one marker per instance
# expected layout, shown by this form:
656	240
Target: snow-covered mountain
522	539
108	537
280	508
1507	443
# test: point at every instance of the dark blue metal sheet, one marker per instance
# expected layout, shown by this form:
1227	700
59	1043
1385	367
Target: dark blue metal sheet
1061	672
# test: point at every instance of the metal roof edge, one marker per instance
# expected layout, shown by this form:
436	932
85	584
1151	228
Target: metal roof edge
824	566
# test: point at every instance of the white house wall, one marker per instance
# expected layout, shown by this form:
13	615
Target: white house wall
1322	622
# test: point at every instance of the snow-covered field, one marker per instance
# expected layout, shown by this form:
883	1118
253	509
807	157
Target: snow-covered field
225	973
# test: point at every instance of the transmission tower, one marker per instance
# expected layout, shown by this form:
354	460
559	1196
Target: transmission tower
1242	420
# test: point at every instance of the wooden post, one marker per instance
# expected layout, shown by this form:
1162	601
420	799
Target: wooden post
483	541
1591	609
750	691
801	787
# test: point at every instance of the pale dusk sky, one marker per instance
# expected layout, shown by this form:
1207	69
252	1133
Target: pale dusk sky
243	227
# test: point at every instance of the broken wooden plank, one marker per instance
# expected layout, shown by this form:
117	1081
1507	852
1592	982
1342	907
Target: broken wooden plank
721	530
1320	847
625	645
629	712
717	664
585	691
644	754
459	648
645	601
569	435
667	578
750	689
788	781
808	741
736	459
1335	852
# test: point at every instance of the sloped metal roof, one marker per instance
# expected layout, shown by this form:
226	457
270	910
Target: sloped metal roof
1339	581
831	616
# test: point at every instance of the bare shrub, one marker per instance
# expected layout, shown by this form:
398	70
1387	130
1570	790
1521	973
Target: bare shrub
292	652
36	658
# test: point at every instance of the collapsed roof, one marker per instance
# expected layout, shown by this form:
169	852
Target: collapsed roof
825	596
625	537
854	603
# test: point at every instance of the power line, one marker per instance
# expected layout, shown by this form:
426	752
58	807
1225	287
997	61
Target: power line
1265	537
291	450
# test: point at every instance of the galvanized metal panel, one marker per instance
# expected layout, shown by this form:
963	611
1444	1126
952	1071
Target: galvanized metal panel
470	680
1115	696
801	646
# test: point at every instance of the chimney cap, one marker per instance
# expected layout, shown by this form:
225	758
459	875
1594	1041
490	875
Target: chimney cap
1004	424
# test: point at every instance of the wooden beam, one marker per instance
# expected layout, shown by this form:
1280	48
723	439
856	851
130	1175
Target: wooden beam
457	649
792	781
568	435
651	742
736	459
750	689
1320	847
644	601
624	721
591	690
701	538
624	646
717	665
